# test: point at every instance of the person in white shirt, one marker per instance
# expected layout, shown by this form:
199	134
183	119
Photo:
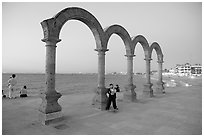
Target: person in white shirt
11	84
23	92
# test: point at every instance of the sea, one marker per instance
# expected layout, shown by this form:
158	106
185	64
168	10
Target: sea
82	83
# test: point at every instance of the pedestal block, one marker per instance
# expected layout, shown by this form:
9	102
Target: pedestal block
160	87
130	95
49	109
100	98
148	91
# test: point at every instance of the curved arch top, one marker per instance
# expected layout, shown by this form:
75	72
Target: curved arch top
143	41
120	31
158	50
52	26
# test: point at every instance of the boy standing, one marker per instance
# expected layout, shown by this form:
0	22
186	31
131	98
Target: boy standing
117	88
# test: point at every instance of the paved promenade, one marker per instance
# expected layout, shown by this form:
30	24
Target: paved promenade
177	112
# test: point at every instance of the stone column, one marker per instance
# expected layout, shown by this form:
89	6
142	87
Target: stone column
129	94
100	99
160	83
148	91
49	108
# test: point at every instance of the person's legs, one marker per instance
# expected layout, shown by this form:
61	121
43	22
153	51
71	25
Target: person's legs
10	92
114	104
108	104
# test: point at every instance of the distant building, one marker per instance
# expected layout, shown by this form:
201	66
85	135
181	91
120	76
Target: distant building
183	69
153	72
187	69
172	70
138	73
196	69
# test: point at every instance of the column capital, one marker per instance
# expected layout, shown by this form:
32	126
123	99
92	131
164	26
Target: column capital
160	61
148	59
51	41
130	55
101	50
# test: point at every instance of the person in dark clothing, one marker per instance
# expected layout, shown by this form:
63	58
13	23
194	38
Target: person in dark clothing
117	88
23	92
3	95
111	97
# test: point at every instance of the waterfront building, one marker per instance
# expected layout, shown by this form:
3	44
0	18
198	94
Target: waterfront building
183	69
196	69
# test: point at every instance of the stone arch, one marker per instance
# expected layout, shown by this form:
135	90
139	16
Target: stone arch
160	83
143	41
53	26
158	50
120	31
50	108
130	94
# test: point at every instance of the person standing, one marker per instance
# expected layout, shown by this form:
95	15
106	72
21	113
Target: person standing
117	88
11	84
111	97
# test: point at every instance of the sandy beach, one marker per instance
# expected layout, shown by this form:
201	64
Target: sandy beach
177	112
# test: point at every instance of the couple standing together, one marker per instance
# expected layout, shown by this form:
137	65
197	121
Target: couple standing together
111	94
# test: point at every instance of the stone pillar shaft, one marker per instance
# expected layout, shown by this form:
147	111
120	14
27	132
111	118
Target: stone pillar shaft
100	99
101	68
160	71
50	67
148	86
129	94
160	83
148	70
130	69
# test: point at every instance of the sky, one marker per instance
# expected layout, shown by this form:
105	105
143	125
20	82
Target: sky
177	27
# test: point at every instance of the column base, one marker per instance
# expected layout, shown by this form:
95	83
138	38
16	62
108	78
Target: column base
130	95
49	118
50	102
148	91
160	87
49	108
100	99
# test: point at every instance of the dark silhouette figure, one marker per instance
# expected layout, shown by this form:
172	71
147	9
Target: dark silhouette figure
111	97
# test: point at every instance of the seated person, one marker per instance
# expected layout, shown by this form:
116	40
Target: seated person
3	95
23	92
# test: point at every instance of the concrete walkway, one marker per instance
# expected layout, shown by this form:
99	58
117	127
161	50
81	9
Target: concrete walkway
177	112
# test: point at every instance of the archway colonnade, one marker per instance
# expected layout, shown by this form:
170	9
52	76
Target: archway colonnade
49	108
